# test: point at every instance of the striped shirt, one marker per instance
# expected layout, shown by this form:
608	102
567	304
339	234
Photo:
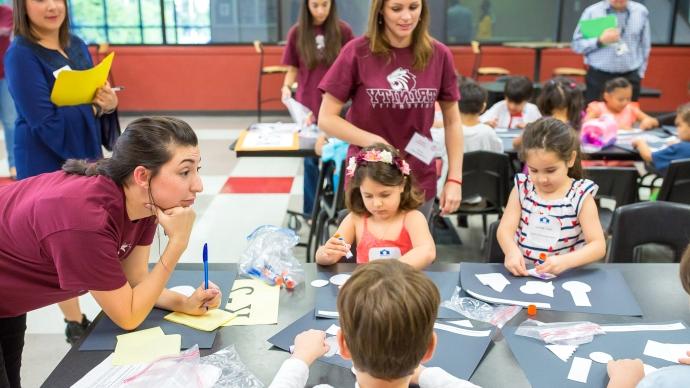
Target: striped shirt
564	211
635	33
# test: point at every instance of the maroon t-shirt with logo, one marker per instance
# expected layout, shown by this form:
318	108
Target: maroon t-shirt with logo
63	235
308	80
391	99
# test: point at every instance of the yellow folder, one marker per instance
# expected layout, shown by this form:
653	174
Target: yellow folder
77	87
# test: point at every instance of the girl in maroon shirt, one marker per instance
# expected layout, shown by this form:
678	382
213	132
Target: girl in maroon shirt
90	228
394	75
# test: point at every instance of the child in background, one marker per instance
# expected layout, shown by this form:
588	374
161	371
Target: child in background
561	99
384	221
618	103
478	136
515	111
681	150
381	300
551	217
630	373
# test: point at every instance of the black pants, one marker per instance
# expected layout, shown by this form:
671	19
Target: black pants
596	79
11	345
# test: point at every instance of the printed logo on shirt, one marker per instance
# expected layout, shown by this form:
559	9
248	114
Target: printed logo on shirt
320	42
124	248
403	92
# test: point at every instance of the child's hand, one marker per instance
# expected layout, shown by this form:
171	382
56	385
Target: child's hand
521	125
493	123
335	248
638	141
310	345
685	360
625	373
649	123
515	263
554	265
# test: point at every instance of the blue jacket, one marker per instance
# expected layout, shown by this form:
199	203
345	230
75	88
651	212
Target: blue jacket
46	135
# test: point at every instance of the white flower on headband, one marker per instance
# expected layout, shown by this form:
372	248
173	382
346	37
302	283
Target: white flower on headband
351	167
386	157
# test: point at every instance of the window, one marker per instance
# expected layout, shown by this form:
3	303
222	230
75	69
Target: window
681	33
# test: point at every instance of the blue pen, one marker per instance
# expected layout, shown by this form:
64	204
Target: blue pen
206	266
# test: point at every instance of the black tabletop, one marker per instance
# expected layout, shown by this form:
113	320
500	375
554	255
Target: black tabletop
656	286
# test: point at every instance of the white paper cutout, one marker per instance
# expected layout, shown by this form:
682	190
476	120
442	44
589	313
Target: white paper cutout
541	288
540	305
544	276
562	351
494	280
327	313
318	283
627	328
648	369
668	352
184	290
340	279
465	332
600	357
578	290
333	349
292	349
463	323
333	330
579	369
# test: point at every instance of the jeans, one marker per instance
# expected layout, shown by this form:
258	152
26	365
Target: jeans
8	115
11	345
311	178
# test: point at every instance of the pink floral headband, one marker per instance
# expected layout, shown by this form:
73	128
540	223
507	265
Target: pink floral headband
376	156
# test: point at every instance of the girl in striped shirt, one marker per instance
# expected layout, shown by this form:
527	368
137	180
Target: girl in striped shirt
551	219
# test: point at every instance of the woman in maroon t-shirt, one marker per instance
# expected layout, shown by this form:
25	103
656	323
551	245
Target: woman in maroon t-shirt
90	228
312	46
394	75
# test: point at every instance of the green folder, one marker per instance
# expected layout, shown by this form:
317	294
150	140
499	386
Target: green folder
593	28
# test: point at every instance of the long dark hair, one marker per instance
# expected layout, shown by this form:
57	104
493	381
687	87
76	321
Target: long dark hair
145	142
22	24
562	93
553	135
306	38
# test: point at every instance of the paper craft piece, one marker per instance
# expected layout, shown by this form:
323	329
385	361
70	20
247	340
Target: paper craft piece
77	87
254	302
184	290
339	279
593	28
610	294
541	288
145	346
102	336
210	321
562	351
333	348
578	290
648	369
665	351
579	369
494	280
600	357
626	328
545	276
261	140
318	283
463	323
333	330
328	314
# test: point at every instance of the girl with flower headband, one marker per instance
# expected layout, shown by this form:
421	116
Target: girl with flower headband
384	222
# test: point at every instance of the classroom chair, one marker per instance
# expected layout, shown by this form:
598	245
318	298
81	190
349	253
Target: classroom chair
676	184
487	175
616	183
659	222
569	72
492	250
324	189
478	70
264	70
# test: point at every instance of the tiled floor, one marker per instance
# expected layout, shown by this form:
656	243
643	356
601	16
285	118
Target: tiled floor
225	216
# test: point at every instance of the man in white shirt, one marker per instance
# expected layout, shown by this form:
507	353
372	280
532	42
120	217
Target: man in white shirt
382	300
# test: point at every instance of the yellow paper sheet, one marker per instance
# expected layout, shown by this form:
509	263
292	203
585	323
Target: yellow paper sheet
76	87
207	322
254	302
145	346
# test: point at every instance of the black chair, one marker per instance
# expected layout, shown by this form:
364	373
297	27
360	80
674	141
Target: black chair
487	175
492	250
659	222
324	192
326	208
616	183
676	185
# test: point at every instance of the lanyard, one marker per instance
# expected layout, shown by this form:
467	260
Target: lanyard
610	10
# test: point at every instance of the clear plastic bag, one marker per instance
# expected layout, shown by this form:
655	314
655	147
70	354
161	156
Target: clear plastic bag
269	257
181	371
303	117
480	311
560	333
234	374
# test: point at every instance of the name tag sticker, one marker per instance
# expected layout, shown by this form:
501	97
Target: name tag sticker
380	253
421	148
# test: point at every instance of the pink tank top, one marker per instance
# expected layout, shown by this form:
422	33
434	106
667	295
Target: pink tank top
403	242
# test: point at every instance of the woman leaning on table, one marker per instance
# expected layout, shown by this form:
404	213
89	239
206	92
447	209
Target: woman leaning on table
89	228
394	75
